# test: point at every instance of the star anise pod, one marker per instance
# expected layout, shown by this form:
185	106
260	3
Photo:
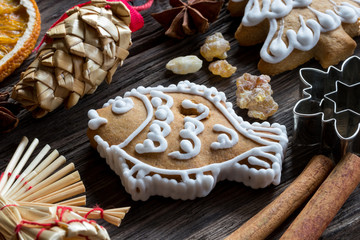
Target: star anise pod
8	112
187	18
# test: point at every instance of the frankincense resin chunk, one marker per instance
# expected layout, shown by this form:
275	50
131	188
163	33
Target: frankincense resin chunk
215	46
222	68
184	65
254	93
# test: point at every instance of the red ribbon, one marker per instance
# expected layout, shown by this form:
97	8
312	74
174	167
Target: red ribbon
136	22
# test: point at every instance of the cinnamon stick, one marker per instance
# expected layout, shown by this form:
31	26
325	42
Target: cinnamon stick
327	201
271	217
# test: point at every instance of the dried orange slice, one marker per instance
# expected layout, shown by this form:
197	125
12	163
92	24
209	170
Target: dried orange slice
19	29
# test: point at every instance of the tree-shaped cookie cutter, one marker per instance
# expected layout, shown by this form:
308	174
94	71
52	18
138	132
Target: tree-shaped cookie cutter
329	112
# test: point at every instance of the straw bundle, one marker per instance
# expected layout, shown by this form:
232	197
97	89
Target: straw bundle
40	199
82	51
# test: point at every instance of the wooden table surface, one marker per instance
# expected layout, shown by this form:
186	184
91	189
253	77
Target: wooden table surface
230	204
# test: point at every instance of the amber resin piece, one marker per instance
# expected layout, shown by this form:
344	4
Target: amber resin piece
254	93
215	46
222	68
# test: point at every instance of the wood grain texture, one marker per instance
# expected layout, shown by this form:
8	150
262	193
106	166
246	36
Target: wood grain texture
230	204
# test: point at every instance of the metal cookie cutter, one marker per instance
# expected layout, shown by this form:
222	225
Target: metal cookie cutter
329	112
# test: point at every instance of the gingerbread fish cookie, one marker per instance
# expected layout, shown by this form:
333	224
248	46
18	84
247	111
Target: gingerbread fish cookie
179	141
295	31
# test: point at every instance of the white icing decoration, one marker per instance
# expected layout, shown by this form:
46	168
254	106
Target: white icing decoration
120	105
159	130
346	11
223	139
150	113
95	120
142	180
307	36
193	127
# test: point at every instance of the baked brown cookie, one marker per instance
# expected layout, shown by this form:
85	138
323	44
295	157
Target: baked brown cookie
178	141
295	31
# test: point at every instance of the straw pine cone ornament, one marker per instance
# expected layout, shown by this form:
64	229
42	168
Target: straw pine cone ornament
82	49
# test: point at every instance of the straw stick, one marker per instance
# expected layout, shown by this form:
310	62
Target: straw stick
21	188
63	182
63	193
37	182
44	164
20	165
36	173
15	158
77	201
32	165
113	216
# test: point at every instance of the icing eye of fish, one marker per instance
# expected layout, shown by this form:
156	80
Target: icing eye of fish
122	105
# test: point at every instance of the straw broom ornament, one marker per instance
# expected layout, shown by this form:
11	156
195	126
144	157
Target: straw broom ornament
41	199
82	49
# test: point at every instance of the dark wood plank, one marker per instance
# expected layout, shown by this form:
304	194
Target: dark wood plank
230	204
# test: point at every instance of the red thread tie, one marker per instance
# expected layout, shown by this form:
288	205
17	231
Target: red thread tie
23	222
63	210
93	210
39	233
10	205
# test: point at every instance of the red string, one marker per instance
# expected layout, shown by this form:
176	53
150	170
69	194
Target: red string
63	210
23	222
93	210
39	233
9	205
56	222
80	221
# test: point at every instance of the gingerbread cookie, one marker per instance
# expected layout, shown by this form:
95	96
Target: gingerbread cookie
178	141
295	31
